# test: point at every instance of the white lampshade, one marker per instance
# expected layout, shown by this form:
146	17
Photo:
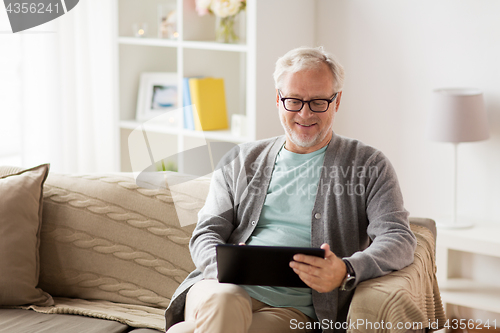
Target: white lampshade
458	115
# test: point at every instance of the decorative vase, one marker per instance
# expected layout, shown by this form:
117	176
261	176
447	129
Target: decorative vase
224	29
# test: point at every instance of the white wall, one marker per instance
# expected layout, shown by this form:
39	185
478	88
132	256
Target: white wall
395	53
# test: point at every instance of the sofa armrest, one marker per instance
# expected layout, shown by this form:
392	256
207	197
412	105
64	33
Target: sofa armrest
403	300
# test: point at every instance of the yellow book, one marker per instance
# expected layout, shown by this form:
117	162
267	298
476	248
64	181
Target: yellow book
208	96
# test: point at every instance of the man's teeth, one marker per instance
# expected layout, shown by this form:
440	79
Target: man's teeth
305	125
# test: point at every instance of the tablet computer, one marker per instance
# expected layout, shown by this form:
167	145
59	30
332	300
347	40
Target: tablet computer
261	265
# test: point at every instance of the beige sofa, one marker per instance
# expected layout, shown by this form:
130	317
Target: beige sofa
101	247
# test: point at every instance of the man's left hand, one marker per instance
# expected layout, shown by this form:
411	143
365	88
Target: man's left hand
320	274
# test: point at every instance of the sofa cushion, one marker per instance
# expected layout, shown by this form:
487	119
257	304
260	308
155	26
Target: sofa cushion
105	238
20	222
21	321
128	314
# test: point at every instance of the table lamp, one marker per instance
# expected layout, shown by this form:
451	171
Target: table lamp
458	115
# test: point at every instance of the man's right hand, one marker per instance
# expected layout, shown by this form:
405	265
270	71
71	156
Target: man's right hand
320	274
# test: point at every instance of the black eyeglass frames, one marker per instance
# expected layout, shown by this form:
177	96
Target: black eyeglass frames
315	105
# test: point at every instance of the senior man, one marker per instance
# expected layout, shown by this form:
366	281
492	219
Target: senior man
308	188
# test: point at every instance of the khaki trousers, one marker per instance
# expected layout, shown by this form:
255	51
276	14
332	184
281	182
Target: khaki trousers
213	307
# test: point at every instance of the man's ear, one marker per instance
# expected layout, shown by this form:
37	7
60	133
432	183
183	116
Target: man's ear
337	101
277	99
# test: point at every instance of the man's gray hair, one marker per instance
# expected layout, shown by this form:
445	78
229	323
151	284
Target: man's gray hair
304	58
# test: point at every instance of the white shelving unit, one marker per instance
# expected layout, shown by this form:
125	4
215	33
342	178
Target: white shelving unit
210	135
483	240
267	29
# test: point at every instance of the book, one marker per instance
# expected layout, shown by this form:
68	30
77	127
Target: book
187	105
209	99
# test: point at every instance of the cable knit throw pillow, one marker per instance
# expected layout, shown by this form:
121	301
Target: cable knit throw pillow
20	222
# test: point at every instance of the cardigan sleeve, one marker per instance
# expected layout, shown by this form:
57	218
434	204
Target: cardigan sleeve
392	241
215	225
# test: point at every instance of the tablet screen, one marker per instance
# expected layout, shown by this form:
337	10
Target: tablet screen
260	265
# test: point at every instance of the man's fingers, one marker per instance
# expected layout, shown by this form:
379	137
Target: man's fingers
313	260
310	260
328	252
304	268
326	247
311	281
303	276
320	274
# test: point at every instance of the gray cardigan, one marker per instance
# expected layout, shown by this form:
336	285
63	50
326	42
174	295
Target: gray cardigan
358	211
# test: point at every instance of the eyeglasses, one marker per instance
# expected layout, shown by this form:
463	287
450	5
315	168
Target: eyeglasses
315	105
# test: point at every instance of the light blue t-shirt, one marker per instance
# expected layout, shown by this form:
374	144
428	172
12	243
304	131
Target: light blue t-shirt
285	220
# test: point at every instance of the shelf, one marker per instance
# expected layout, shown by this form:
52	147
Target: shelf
246	67
148	41
223	135
471	294
481	239
197	45
208	45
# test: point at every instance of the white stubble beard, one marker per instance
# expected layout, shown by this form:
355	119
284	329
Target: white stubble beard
305	142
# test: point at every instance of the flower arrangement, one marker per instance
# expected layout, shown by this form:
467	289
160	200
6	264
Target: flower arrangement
225	11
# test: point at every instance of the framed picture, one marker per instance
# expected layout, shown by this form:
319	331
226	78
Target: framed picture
157	96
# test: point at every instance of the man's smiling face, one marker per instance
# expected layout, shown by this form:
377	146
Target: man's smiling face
307	131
